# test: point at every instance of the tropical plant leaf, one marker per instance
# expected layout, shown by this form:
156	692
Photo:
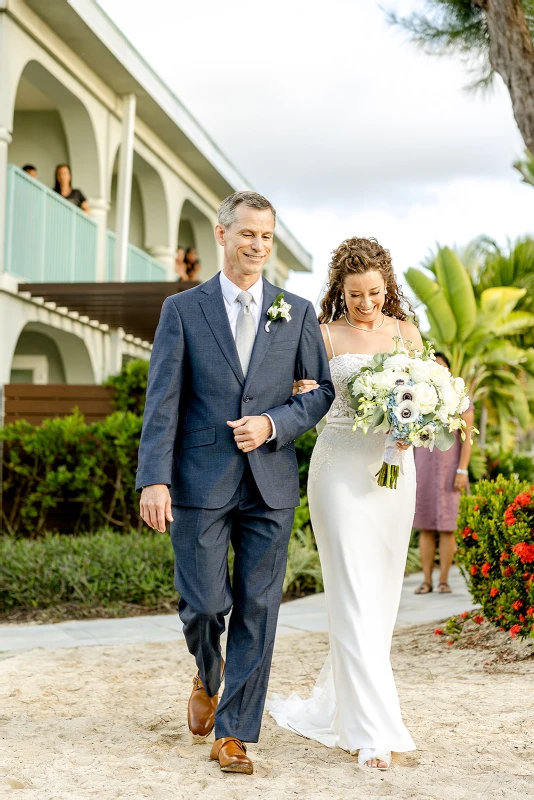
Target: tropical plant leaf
499	301
439	312
458	288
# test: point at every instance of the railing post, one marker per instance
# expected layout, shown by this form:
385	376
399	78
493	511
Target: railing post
5	141
124	188
99	212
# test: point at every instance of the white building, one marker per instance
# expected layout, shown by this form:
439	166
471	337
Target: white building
78	293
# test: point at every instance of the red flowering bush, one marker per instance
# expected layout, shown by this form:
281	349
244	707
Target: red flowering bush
496	552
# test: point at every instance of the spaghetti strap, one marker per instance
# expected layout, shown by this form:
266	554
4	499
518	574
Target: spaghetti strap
330	340
400	334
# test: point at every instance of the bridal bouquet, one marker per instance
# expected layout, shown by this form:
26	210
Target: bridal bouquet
409	396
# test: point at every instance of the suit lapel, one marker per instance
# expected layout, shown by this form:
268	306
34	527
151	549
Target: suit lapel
263	339
214	310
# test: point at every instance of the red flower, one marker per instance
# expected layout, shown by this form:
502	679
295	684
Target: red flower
476	507
523	499
530	611
475	536
438	631
450	644
521	618
485	569
466	531
517	605
514	630
474	569
478	619
465	614
504	556
509	516
524	551
508	571
494	591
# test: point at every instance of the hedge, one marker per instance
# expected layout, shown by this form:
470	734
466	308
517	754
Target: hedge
496	551
68	476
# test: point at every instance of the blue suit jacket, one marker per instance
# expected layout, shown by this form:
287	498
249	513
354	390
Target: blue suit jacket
196	385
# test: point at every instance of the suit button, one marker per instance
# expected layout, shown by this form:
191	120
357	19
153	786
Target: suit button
246	398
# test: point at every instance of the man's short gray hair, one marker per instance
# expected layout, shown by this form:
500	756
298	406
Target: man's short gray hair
226	213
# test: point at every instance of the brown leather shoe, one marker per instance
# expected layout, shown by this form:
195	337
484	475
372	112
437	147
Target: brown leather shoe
201	709
231	754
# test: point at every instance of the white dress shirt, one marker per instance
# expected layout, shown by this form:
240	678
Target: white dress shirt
230	293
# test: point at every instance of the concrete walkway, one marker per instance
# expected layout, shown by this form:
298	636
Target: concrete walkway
306	614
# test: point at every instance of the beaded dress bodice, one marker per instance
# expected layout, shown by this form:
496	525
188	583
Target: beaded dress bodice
341	369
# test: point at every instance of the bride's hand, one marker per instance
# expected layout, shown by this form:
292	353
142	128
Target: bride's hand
402	445
301	387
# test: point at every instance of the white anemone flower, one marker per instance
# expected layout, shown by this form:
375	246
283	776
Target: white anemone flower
426	437
407	411
405	392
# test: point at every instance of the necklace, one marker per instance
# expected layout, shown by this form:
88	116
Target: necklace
366	330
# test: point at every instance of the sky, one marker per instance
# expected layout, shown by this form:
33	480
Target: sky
341	122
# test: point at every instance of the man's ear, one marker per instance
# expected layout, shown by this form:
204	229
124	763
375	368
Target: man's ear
220	234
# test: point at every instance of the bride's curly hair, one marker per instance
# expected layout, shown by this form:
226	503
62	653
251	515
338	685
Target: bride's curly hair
355	257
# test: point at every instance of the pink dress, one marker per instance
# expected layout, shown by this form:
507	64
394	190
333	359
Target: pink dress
436	507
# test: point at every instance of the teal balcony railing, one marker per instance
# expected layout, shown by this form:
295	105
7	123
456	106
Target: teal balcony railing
49	240
139	266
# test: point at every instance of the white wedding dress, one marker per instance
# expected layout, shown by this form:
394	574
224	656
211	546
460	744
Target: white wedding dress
362	532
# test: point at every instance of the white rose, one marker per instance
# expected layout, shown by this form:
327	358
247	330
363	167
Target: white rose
442	415
400	361
438	375
384	380
426	397
419	370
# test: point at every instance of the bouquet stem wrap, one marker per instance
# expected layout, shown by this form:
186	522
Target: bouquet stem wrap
389	471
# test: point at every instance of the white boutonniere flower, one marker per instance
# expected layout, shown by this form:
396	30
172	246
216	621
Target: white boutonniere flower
279	310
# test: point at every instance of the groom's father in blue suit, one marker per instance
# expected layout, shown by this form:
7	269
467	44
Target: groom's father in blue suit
217	460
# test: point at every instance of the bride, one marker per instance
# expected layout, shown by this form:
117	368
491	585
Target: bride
362	529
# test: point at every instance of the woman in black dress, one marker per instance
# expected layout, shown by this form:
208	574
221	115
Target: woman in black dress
63	186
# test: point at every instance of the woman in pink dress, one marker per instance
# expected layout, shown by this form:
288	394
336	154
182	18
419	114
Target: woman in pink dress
441	478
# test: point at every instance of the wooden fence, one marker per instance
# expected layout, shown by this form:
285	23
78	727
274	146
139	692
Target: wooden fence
35	403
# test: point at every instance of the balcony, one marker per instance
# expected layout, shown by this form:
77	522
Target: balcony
49	240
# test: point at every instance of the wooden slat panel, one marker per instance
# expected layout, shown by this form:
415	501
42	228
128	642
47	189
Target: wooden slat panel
35	403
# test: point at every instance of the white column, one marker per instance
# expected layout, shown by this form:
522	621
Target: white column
99	212
5	141
124	187
113	357
167	257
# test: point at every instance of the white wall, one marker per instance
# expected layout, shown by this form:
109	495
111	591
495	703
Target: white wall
39	139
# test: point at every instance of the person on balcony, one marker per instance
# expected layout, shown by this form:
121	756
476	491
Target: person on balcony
180	266
63	187
191	256
193	271
30	170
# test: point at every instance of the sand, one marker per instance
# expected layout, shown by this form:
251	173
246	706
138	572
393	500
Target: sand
110	722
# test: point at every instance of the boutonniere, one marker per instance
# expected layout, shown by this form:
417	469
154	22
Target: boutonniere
279	310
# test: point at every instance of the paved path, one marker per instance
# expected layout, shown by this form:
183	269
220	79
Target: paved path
307	614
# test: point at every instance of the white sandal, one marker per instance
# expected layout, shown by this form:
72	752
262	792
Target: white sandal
370	753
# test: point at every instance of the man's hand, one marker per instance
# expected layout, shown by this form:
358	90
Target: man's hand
303	386
155	506
251	432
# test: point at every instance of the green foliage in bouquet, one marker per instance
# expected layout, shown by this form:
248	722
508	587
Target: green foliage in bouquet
496	552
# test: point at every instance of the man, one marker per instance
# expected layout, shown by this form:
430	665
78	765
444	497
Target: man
218	432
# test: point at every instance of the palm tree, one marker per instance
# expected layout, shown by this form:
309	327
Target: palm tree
492	36
476	333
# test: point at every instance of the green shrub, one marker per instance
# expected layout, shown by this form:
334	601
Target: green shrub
129	386
96	570
511	465
304	447
496	551
69	476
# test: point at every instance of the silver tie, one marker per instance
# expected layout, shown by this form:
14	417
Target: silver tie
245	331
